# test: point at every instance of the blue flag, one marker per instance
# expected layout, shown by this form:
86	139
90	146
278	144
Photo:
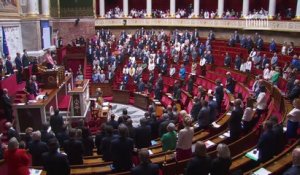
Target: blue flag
5	47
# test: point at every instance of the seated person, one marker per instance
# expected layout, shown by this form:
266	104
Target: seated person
102	77
79	76
95	76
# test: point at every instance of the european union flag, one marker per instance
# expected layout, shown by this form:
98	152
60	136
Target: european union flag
5	47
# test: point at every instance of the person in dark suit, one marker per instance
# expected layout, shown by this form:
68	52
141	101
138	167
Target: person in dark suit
90	54
19	67
143	134
195	109
279	134
235	119
200	164
55	163
9	66
190	84
112	122
203	116
56	122
145	167
122	149
157	92
36	148
74	148
230	83
219	94
106	143
295	92
295	169
11	132
25	59
266	143
7	105
221	164
33	86
45	135
141	86
160	81
87	142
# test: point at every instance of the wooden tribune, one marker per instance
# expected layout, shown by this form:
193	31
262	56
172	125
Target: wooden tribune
120	96
33	113
141	100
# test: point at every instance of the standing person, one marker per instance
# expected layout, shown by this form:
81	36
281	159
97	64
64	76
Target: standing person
25	59
230	83
295	169
200	164
235	120
261	102
122	148
185	138
19	67
143	134
168	140
49	60
36	148
266	143
74	148
293	119
221	164
9	66
55	163
219	94
7	105
17	160
145	167
56	122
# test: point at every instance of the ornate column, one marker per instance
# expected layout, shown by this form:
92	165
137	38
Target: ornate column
220	8
149	8
272	8
245	8
298	10
46	8
196	7
102	8
172	7
33	7
125	8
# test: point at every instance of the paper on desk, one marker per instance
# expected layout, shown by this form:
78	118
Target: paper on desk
150	152
262	171
221	136
105	104
196	125
215	125
153	142
228	113
209	144
39	97
253	154
35	172
226	134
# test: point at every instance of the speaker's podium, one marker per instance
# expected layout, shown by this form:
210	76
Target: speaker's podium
80	99
32	113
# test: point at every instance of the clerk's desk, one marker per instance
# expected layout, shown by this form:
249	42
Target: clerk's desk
141	100
34	113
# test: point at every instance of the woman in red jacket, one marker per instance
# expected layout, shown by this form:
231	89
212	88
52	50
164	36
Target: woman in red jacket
17	160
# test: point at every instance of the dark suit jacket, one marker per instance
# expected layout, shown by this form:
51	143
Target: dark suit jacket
105	147
9	67
19	64
265	146
56	123
220	166
36	149
293	170
121	149
143	137
195	110
74	149
12	133
56	163
198	165
146	169
6	103
219	94
25	61
235	122
203	117
294	93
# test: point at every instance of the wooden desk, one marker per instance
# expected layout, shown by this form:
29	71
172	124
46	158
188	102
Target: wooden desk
120	96
80	102
105	87
141	100
33	114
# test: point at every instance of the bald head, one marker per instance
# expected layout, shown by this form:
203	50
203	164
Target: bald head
200	149
144	155
36	136
13	144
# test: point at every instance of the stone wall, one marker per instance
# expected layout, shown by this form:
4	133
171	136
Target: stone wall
69	31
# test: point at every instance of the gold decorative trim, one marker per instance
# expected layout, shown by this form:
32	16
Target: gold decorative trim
297	18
